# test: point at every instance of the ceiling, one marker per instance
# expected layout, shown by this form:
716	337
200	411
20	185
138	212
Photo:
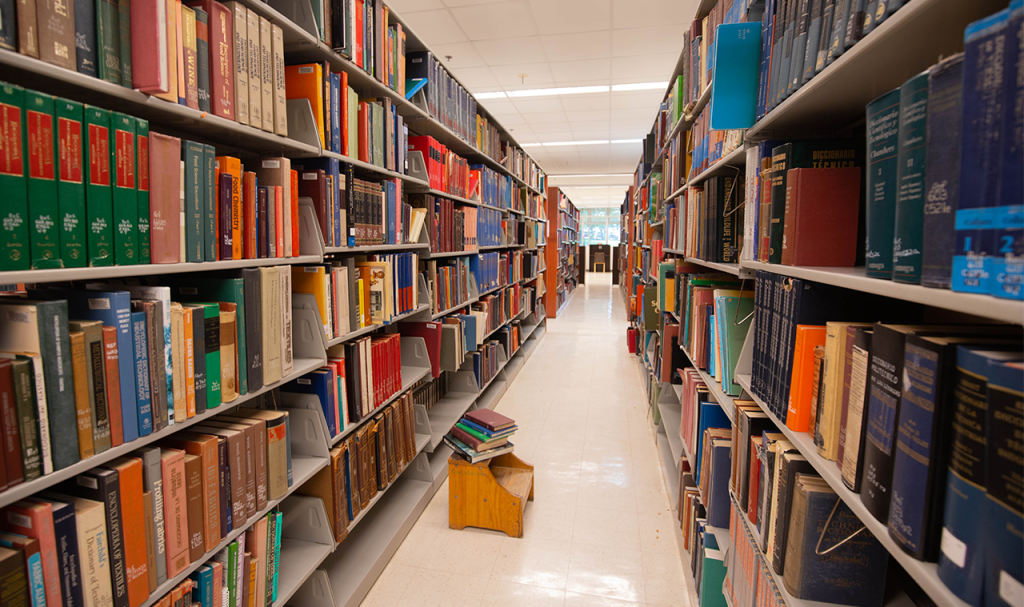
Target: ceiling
562	43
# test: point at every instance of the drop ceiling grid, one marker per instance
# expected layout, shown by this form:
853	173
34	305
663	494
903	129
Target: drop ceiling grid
560	43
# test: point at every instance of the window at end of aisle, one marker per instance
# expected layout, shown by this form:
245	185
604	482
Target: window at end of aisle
599	225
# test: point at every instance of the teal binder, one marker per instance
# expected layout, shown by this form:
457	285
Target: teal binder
735	81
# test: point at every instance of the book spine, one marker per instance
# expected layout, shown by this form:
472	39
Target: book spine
175	512
108	39
211	328
124	193
280	92
23	35
883	117
241	55
70	184
125	41
882	411
66	540
266	77
98	195
942	174
780	165
43	219
56	29
255	79
195	195
202	59
199	358
224	204
222	77
253	328
194	491
113	385
209	204
143	396
911	164
190	60
984	53
14	240
142	183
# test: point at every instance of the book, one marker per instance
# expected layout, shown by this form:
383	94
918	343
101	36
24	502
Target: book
42	184
490	419
103	486
883	116
1003	564
240	56
14	241
910	194
35	520
195	201
99	405
149	71
129	476
172	466
70	184
152	482
814	235
56	34
28	550
108	39
112	382
255	78
164	205
266	76
790	464
465	451
202	59
194	491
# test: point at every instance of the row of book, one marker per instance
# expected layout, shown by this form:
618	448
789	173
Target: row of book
489	269
446	171
707	220
361	31
928	471
135	362
706	146
448	281
454	228
446	99
219	58
113	534
170	202
517	162
364	464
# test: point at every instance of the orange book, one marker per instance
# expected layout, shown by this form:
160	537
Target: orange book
279	219
113	375
799	414
249	213
190	363
133	527
233	166
205	446
294	208
306	81
172	50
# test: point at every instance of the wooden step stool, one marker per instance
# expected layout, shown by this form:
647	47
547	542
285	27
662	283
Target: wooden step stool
491	494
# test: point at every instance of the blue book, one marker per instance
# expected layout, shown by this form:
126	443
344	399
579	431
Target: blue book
317	383
34	567
143	396
202	591
335	113
709	415
65	533
1005	552
113	309
961	559
735	79
413	86
979	151
718	485
483	430
1005	267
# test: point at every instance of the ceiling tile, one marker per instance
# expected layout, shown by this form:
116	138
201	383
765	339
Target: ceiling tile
566	16
443	29
592	101
643	68
557	132
646	40
627	133
545	117
537	105
585	115
463	54
475	77
506	51
458	3
490	21
578	46
628	114
647	100
638	13
536	74
589	125
499	106
404	7
590	69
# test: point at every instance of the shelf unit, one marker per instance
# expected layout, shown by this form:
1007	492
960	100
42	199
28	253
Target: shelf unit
562	256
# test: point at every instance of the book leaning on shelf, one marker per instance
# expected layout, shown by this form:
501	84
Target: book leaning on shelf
128	195
191	53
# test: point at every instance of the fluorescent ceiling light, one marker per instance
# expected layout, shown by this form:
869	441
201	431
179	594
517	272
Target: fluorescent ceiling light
627	140
492	95
530	145
639	86
595	175
563	143
567	90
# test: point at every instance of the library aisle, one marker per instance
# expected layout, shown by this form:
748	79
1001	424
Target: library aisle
600	531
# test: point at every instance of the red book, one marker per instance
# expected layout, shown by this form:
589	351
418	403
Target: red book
293	207
164	203
491	420
149	38
816	233
35	520
249	214
279	219
133	527
113	376
221	45
9	434
344	115
358	50
364	126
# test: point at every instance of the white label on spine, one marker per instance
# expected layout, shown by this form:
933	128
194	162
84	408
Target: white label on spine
953	548
99	304
19	519
1010	590
271	164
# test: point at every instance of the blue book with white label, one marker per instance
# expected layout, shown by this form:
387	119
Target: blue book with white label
143	395
335	113
202	580
979	151
317	383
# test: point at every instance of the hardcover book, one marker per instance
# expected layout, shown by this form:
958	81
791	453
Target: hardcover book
910	177
883	117
71	216
43	216
164	205
15	239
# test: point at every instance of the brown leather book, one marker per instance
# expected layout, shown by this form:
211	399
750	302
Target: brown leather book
172	462
28	32
816	233
13	578
338	463
11	437
260	453
113	376
133	527
56	20
277	449
80	371
352	459
490	419
249	451
204	446
194	491
236	465
324	486
164	201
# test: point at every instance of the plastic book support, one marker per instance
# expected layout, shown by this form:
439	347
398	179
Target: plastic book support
300	12
301	124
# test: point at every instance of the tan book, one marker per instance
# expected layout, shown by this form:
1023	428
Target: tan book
324	485
83	414
286	314
205	447
56	32
260	452
191	57
255	79
270	283
194	493
249	458
266	76
240	16
93	559
228	370
256	545
172	52
96	381
28	33
780	448
178	362
280	92
835	364
236	465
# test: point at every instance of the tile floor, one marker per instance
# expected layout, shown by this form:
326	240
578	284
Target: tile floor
600	531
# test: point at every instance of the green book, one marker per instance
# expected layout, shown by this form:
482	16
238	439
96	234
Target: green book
210	204
883	116
271	533
195	196
108	38
14	236
203	58
199	288
124	194
909	239
478	434
142	183
44	233
211	331
98	202
70	184
232	571
678	99
28	419
124	18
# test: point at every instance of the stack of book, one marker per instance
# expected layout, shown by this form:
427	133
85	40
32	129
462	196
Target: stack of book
481	435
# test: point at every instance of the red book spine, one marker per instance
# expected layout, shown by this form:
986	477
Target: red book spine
149	37
11	447
164	204
294	209
279	219
364	125
249	214
36	520
222	66
113	377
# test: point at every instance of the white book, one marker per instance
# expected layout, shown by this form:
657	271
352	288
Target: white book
280	92
255	93
239	22
266	77
750	213
270	284
286	320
